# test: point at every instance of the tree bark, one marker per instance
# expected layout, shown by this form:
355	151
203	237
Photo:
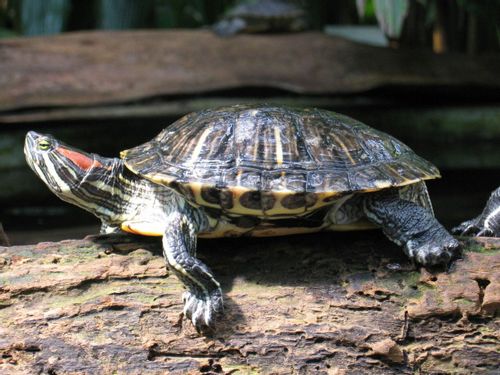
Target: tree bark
328	304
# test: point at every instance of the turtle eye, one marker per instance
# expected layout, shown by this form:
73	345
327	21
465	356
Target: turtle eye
43	145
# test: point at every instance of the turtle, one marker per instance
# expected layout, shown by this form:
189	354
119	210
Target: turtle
261	16
487	224
250	170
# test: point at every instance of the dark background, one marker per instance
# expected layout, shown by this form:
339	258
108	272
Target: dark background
458	128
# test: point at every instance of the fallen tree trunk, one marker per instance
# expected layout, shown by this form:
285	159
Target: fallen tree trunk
329	303
98	68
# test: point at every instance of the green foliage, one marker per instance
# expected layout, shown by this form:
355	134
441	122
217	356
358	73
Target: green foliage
6	33
42	17
178	13
366	11
469	25
3	12
6	20
124	14
189	13
487	11
391	15
480	7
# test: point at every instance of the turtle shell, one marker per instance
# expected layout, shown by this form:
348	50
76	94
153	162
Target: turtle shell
265	160
266	9
261	16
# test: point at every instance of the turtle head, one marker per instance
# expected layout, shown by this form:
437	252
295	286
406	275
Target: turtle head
75	176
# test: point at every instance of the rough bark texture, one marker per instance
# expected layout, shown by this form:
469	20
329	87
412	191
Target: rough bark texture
108	67
329	303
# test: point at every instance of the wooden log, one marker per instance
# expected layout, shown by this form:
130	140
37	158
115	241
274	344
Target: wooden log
91	68
325	304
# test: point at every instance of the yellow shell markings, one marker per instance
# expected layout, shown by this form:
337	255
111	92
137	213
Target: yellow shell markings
238	177
158	178
382	184
143	228
277	208
237	192
344	148
196	188
199	145
279	147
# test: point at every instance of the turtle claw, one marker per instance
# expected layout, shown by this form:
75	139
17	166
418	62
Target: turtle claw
203	311
473	228
470	230
440	251
469	227
485	232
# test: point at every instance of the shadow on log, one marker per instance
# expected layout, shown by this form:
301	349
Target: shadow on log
329	303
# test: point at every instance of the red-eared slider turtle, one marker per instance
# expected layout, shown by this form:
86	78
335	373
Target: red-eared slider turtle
261	16
250	170
488	223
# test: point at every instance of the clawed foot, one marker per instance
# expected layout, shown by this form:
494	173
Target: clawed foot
438	251
203	310
473	227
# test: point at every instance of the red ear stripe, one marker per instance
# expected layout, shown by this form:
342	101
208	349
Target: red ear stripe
83	161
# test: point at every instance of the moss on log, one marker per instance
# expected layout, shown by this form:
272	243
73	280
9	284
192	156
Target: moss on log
329	303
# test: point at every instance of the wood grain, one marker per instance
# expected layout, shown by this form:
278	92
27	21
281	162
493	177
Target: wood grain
89	68
326	304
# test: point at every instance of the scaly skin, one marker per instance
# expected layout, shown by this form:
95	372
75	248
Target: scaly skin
407	224
487	224
203	299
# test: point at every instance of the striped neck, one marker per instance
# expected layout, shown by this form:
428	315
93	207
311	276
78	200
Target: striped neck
89	181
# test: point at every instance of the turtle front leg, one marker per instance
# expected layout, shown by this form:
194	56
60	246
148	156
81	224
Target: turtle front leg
486	224
203	298
107	228
409	225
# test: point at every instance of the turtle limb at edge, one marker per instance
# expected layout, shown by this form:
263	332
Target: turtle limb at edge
203	300
487	224
409	225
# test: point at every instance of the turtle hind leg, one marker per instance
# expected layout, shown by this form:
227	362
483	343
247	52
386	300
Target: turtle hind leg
409	225
486	224
107	228
203	298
